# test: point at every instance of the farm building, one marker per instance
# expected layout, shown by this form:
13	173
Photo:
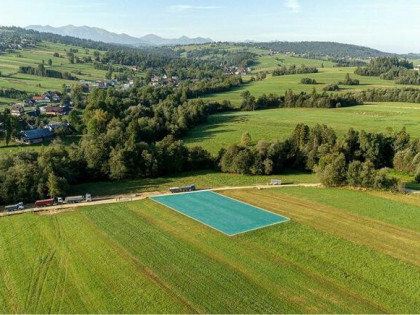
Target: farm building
56	111
35	136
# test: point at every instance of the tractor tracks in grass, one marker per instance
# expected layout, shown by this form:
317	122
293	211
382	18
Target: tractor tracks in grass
141	267
395	241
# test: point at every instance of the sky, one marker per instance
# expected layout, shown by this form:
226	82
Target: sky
388	25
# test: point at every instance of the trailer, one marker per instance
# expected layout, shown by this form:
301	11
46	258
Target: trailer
175	190
18	206
77	199
188	188
45	202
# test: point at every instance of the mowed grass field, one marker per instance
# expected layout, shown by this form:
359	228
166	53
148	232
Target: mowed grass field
280	84
223	129
10	63
202	180
342	252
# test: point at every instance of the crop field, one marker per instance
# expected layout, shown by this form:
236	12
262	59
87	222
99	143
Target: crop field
223	129
341	252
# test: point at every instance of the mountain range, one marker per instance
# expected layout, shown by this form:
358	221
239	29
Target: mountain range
102	35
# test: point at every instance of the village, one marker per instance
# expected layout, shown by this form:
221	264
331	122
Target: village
46	105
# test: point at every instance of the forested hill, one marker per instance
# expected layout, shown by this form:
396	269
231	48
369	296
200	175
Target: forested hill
323	49
10	35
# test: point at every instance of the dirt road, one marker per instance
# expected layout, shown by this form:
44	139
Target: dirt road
131	197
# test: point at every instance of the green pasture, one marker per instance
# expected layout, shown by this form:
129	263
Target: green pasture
141	257
202	180
267	62
10	63
223	129
280	84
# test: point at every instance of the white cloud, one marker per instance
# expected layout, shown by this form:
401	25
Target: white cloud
292	5
185	7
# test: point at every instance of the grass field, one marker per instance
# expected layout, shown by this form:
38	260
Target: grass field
280	84
202	179
223	129
141	257
270	62
10	63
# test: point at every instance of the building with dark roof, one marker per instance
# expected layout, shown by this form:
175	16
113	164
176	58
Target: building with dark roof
35	135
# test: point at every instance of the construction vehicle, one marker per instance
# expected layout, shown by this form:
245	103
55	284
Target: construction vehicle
18	206
76	199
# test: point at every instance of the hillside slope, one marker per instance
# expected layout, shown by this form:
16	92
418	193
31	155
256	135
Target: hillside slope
102	35
316	49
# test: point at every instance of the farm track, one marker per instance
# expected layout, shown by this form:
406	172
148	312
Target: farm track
130	197
393	240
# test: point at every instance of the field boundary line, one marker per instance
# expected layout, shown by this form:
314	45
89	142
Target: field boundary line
239	201
152	198
259	208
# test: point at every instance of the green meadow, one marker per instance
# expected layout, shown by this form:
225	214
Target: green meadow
280	84
10	63
223	129
141	257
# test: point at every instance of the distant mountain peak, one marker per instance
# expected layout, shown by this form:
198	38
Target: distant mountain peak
100	34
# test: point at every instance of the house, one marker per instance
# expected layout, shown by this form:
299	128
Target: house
56	111
29	102
53	96
41	99
59	127
241	71
35	136
17	110
100	84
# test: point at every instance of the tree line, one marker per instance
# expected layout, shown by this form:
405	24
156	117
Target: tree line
328	100
13	93
359	159
399	70
44	72
302	99
293	69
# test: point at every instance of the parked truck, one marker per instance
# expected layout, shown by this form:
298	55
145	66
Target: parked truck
175	190
18	206
48	202
76	199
